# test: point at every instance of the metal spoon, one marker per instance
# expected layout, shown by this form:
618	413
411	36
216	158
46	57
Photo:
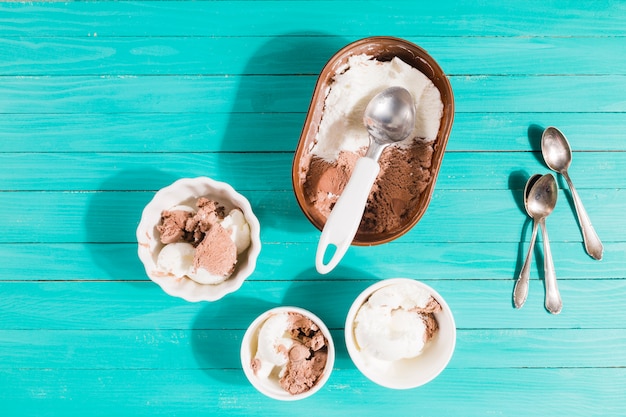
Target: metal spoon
389	117
541	202
558	156
520	293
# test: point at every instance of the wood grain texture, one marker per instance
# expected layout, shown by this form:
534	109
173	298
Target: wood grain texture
104	103
268	18
287	54
576	392
263	171
476	304
215	350
279	132
263	93
454	260
487	216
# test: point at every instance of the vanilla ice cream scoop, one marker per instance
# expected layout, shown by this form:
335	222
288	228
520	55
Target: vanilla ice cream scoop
394	323
176	258
239	229
388	334
341	127
274	343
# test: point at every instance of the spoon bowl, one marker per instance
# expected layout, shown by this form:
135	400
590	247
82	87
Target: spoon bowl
558	156
542	197
389	117
556	150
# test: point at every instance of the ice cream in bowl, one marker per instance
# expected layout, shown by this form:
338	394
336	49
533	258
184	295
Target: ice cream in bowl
287	353
198	239
400	333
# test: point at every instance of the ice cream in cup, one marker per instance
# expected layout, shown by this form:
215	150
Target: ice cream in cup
400	333
287	353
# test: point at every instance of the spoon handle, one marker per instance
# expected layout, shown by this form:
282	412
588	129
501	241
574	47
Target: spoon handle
521	286
593	245
553	301
343	221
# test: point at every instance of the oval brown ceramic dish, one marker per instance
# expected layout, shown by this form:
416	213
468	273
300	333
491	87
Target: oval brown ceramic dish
382	49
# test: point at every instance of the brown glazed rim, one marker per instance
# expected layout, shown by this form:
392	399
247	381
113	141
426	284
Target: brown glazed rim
383	48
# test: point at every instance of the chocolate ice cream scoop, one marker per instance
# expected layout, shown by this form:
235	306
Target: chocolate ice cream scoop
389	117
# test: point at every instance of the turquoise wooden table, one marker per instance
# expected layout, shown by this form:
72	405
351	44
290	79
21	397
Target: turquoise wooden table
103	103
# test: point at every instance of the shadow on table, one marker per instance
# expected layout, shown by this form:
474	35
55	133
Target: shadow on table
112	217
292	54
297	57
329	297
534	140
306	291
216	354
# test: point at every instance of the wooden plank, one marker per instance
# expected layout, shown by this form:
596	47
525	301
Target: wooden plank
132	171
245	94
153	132
537	94
452	260
280	132
168	55
572	392
488	216
476	304
511	170
267	18
521	131
129	172
169	349
141	94
284	55
70	261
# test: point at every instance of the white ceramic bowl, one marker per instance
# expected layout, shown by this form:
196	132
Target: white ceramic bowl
270	386
187	191
405	373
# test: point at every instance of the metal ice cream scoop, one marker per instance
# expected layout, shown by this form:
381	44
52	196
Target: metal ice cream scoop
389	117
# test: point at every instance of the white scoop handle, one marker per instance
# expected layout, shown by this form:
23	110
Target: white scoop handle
343	221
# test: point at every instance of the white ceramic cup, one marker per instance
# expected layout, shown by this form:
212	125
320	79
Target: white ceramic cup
404	373
271	386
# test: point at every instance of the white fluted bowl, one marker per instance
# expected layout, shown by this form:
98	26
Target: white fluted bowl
187	191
